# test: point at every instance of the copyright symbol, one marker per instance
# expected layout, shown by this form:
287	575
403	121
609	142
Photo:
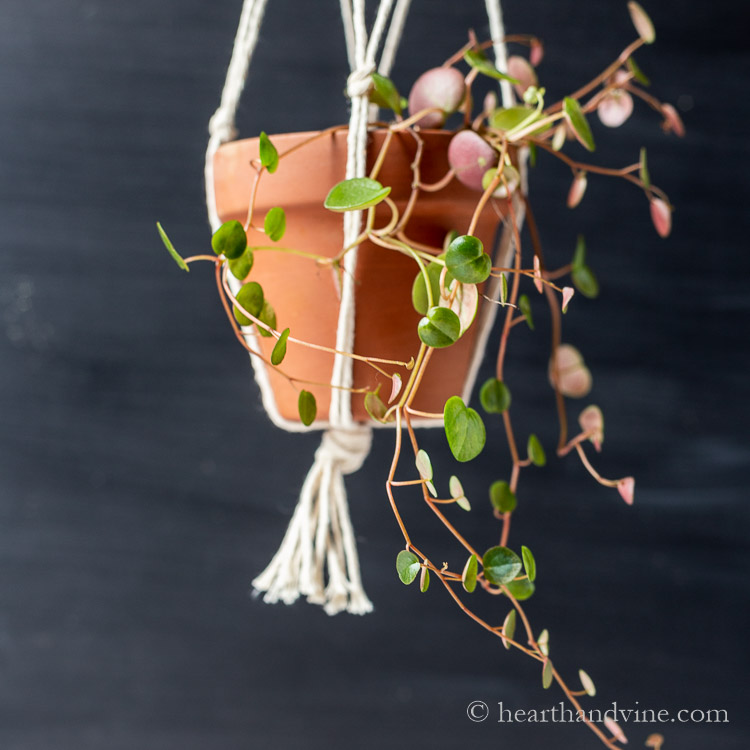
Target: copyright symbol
477	711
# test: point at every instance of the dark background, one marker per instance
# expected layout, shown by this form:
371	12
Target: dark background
142	488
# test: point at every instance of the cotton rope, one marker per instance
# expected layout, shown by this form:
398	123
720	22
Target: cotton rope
318	557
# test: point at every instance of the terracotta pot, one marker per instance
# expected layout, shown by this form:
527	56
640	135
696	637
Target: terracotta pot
303	293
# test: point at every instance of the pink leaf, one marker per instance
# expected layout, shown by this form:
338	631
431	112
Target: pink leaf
568	370
519	68
537	52
395	386
577	189
591	420
537	275
626	488
615	108
614	727
661	216
642	22
567	295
672	121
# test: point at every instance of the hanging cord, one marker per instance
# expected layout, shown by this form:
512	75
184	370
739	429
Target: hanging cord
497	34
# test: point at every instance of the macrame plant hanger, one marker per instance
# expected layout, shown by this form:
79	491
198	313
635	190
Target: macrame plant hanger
318	555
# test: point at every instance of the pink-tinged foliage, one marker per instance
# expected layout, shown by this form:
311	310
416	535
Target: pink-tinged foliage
567	295
395	387
538	275
519	68
672	121
442	87
615	108
591	420
577	189
642	22
626	488
537	52
470	156
661	216
568	370
614	727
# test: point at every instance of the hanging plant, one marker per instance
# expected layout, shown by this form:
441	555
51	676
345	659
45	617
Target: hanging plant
387	327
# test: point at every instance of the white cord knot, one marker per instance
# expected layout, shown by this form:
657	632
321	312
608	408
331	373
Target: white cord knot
348	449
221	126
360	81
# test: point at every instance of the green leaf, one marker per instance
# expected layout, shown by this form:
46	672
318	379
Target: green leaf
307	407
267	316
578	122
532	154
509	627
529	563
441	327
585	281
423	464
507	118
279	349
407	566
469	575
525	307
355	194
419	296
501	565
642	22
424	579
645	177
535	451
479	61
579	255
374	405
241	267
502	497
250	298
467	261
385	94
547	675
229	240
463	503
503	289
455	487
521	590
587	683
269	156
638	74
494	396
464	429
274	225
170	247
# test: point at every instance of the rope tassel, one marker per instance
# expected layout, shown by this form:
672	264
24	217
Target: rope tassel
318	555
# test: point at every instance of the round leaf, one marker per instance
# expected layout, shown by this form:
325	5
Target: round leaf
535	451
307	407
464	429
250	298
585	281
521	590
455	486
467	261
642	22
267	316
407	566
229	240
501	565
355	194
469	575
587	683
269	156
507	118
525	307
494	396
424	465
439	328
543	642
501	497
279	349
274	225
547	675
241	267
374	405
465	304
529	564
384	93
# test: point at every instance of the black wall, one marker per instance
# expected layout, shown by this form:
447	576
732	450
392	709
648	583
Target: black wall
142	488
